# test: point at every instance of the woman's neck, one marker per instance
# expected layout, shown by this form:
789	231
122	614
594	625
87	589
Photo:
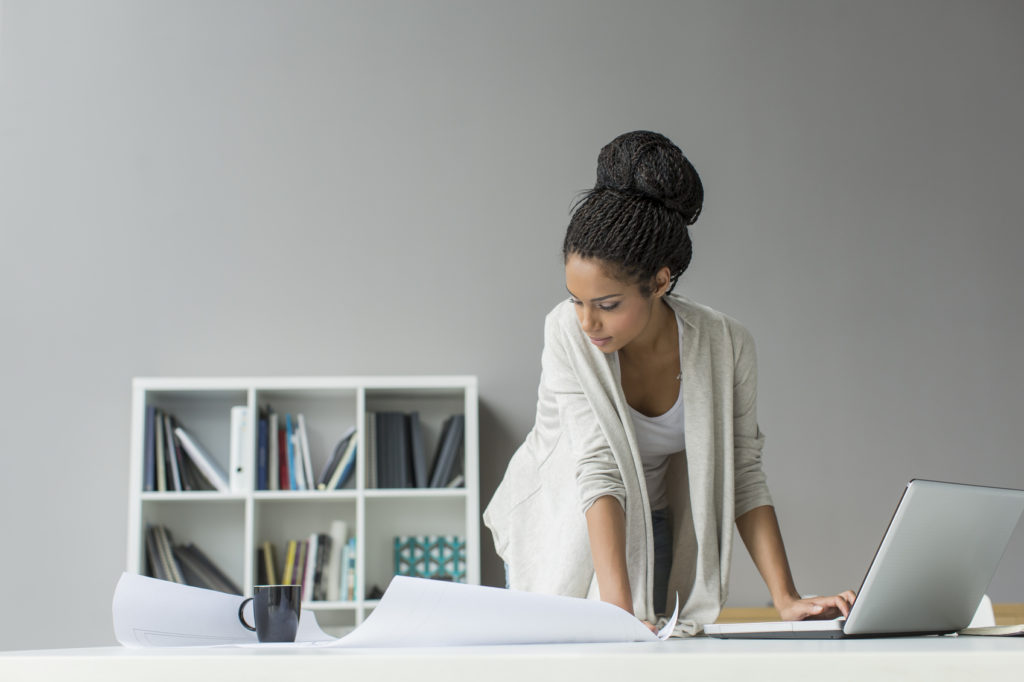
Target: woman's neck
659	336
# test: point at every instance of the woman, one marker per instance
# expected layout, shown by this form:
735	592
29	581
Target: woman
646	447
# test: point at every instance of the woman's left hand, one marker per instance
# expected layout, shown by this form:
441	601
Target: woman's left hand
818	608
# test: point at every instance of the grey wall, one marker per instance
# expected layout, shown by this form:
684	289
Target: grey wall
234	188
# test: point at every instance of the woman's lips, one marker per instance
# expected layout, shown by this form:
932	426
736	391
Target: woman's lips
600	341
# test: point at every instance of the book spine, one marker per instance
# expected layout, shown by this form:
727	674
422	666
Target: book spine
307	464
153	556
161	461
289	564
370	456
323	552
270	563
301	553
435	472
293	481
185	479
344	574
215	575
336	460
351	569
339	538
273	465
174	482
149	451
238	478
261	454
345	467
170	564
309	572
419	462
206	464
284	475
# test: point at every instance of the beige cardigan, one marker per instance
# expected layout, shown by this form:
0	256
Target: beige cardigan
583	446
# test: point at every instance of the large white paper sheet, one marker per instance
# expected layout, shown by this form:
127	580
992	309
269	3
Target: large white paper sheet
157	613
414	612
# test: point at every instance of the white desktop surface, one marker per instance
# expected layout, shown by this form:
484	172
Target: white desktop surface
919	658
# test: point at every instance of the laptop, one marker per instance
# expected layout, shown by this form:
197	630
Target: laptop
930	572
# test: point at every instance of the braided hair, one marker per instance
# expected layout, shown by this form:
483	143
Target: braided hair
636	218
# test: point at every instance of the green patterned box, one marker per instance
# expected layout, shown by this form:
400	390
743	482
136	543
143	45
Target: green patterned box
431	556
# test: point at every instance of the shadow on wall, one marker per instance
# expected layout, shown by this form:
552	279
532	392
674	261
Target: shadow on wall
497	443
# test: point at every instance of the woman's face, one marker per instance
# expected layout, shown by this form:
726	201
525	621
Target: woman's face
611	312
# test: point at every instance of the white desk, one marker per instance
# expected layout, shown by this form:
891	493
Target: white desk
926	658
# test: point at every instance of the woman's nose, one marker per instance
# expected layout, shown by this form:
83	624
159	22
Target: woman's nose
588	321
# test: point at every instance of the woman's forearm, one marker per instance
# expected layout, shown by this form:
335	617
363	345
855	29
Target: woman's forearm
759	529
606	526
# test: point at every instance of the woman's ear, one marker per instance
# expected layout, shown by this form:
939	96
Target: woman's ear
662	281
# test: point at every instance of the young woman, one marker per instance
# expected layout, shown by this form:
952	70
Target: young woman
646	447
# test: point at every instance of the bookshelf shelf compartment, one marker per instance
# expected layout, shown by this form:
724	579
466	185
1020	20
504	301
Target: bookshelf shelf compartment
230	527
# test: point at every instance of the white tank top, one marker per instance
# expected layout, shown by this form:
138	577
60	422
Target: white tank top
658	438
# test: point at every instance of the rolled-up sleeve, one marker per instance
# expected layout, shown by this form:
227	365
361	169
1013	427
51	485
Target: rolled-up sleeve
751	486
597	473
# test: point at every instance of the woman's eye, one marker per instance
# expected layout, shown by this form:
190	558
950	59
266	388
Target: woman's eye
609	307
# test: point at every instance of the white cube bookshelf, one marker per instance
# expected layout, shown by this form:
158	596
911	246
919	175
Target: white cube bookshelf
229	527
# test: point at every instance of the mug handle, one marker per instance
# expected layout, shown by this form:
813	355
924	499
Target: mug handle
241	616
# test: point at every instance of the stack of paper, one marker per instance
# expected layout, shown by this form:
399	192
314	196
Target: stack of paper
414	612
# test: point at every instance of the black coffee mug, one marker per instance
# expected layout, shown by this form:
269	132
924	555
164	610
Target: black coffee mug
276	611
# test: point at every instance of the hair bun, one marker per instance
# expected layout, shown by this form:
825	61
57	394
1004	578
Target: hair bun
647	164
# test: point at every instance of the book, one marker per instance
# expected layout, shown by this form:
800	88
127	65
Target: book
381	455
400	450
339	538
204	568
284	473
288	578
394	469
309	568
238	479
174	477
301	555
266	564
293	483
416	450
307	465
335	460
345	468
448	450
370	439
164	546
154	560
161	460
351	570
300	473
210	468
347	587
189	476
273	465
323	551
262	445
149	450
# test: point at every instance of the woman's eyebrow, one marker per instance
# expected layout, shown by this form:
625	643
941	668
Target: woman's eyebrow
594	300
